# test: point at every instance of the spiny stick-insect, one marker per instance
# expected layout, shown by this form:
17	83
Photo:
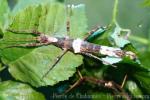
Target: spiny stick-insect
77	46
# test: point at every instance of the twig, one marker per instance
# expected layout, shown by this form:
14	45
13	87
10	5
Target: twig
76	83
124	80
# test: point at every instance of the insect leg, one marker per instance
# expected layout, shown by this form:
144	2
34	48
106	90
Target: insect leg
58	58
95	57
65	50
28	45
78	82
25	31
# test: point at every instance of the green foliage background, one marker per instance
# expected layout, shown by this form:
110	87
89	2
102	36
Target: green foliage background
133	15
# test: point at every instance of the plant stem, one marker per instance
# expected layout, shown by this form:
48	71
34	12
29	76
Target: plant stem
139	39
115	11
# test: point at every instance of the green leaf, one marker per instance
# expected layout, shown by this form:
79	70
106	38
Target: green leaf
10	90
77	17
53	17
2	67
12	54
31	67
4	11
134	89
111	60
117	37
143	78
144	58
139	73
30	64
22	4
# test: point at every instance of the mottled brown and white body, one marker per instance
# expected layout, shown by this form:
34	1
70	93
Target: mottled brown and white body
81	46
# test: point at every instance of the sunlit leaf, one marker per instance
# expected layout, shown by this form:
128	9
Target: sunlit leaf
134	89
75	12
4	10
10	90
34	18
22	4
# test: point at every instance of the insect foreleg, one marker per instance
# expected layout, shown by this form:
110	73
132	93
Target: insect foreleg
28	45
25	31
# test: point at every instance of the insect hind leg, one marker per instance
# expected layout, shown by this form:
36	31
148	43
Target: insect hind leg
95	57
58	58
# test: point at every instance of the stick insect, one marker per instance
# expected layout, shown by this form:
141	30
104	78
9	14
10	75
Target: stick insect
77	46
